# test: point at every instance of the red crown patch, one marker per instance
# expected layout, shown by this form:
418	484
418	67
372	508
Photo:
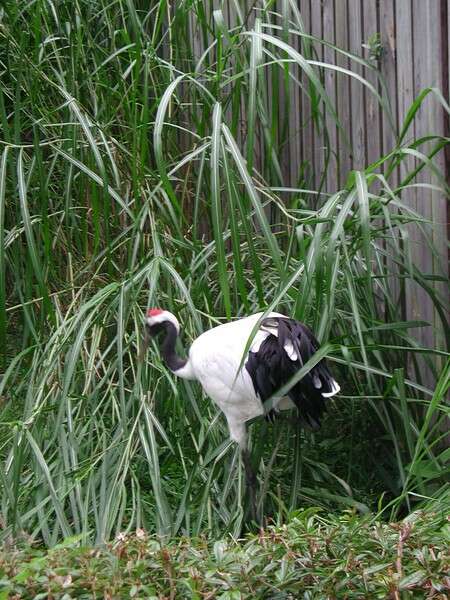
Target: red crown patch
153	312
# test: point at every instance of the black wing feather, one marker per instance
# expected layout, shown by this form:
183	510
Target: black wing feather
270	368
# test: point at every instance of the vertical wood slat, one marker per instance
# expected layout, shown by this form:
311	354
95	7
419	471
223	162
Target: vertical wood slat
288	104
357	125
405	94
372	125
388	135
388	69
295	104
260	151
372	108
343	92
316	30
422	69
270	100
307	133
330	88
437	46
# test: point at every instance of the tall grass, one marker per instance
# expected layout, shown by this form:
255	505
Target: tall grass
126	181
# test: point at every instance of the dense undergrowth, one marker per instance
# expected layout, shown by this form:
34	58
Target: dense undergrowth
125	182
311	556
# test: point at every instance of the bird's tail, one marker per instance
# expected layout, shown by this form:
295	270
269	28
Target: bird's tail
310	394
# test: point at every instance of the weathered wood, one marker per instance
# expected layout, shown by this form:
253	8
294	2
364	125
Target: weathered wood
316	30
404	64
388	70
271	101
357	125
437	46
404	93
330	88
343	92
288	105
296	106
307	134
388	136
421	256
372	107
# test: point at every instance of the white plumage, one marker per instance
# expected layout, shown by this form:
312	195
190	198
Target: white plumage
218	360
239	379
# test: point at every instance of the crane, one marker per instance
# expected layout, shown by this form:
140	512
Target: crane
240	372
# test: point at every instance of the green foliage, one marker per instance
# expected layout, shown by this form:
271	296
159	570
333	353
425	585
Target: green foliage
374	46
126	181
310	556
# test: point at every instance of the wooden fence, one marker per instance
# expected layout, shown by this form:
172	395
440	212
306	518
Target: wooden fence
407	40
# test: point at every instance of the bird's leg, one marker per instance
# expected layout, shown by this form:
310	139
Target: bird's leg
238	433
250	479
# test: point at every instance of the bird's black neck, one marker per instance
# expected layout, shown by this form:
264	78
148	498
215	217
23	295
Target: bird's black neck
171	358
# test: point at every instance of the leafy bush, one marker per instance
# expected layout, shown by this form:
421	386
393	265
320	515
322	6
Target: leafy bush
126	181
310	556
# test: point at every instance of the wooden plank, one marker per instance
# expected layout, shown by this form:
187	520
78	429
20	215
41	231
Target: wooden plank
316	30
238	16
288	103
251	13
343	91
295	107
330	88
437	46
195	35
421	256
372	108
388	139
230	20
357	125
409	50
405	90
247	10
307	133
388	71
270	101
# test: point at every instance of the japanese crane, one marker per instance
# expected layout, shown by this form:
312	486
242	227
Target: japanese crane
240	372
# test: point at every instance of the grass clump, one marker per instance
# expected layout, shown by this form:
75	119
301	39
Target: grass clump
310	556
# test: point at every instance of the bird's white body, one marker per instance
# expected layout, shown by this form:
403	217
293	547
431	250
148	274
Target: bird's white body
216	360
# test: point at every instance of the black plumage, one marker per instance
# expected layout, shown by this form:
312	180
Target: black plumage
272	366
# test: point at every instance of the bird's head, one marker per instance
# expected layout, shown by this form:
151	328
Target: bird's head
158	320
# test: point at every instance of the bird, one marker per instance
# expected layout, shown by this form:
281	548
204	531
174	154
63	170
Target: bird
242	364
